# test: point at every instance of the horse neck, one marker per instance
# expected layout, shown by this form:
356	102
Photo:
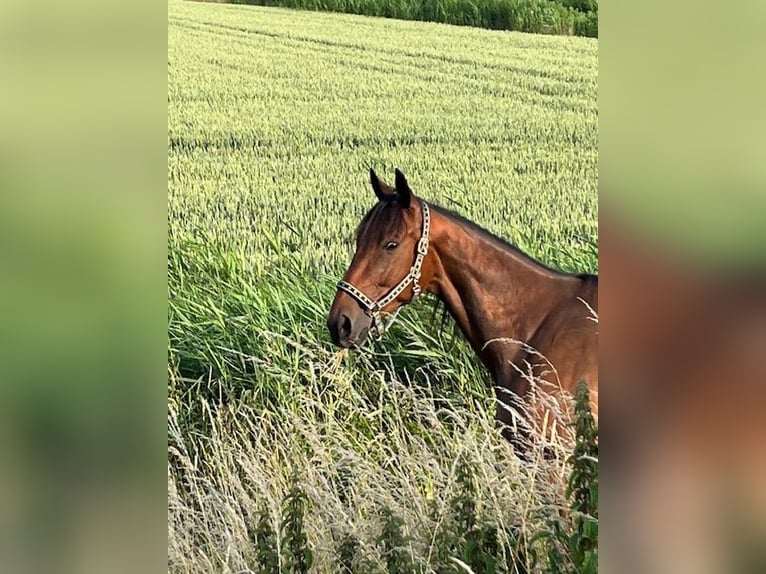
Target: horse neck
491	289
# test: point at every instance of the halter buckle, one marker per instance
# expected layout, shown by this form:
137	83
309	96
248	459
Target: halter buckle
423	246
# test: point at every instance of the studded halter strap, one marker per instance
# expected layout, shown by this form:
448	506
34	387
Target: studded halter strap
373	308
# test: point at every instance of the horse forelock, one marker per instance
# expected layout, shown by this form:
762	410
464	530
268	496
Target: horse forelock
385	218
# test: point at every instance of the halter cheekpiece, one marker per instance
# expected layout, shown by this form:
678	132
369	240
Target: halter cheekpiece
373	308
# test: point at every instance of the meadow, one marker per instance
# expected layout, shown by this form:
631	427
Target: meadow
282	450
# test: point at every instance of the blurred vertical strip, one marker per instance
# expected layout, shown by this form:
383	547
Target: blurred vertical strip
682	163
82	286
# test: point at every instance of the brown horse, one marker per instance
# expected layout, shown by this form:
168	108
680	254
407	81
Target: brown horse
533	328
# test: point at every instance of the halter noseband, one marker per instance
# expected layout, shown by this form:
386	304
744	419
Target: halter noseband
373	308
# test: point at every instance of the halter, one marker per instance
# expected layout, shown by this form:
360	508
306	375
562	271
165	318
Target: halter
373	308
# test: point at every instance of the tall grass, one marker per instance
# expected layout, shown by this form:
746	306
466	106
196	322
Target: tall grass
428	487
383	461
569	17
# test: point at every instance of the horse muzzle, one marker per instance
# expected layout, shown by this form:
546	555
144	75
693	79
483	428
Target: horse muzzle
348	328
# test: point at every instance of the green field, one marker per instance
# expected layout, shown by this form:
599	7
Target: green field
274	119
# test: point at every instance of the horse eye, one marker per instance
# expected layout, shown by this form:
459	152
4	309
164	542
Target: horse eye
391	245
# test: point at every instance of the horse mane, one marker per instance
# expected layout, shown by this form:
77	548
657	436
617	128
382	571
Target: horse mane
473	226
504	244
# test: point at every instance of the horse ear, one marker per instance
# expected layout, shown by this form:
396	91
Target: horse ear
403	190
381	189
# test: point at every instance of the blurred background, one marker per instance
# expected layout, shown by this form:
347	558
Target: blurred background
82	222
682	195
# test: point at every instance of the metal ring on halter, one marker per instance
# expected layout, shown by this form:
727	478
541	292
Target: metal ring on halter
374	308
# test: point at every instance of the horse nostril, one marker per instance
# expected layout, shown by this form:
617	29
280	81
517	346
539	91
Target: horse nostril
345	326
